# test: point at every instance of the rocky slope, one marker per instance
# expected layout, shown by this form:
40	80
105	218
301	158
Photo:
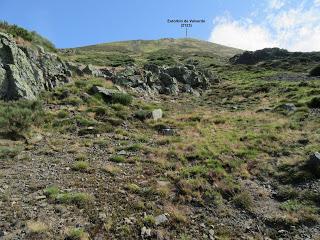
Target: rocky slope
169	146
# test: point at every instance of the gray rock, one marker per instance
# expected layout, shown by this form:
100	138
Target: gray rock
107	93
157	114
160	219
167	131
93	71
25	72
122	152
290	107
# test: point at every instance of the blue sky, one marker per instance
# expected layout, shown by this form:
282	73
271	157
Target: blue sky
247	24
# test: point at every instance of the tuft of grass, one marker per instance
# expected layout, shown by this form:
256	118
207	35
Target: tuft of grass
149	220
142	115
112	170
37	227
51	191
243	200
76	198
77	234
177	214
121	98
117	159
80	166
134	188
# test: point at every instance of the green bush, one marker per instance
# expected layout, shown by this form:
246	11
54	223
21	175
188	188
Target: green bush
122	98
142	114
117	159
16	118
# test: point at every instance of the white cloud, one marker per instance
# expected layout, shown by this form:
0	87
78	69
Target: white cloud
241	35
296	29
317	3
277	4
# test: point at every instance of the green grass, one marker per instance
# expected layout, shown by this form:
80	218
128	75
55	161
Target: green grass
243	200
81	166
163	51
76	198
77	234
117	159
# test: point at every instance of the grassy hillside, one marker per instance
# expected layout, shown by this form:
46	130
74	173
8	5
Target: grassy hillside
24	36
163	51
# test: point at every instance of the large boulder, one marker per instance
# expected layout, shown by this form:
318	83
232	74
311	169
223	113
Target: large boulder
26	71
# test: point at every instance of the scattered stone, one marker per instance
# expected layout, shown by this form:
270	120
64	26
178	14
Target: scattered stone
157	114
106	93
122	152
160	219
167	131
290	107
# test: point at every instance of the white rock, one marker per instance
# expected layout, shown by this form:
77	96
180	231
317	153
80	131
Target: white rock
157	114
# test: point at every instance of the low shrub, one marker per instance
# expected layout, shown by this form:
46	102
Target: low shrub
16	118
122	98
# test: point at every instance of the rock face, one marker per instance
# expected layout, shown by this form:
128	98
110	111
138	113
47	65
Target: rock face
165	80
25	71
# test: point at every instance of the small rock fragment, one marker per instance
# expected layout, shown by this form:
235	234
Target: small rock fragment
160	219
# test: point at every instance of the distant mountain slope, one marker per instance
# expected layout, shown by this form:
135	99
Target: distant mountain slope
163	51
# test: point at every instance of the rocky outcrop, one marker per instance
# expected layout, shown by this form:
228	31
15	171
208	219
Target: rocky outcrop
26	71
165	80
250	57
